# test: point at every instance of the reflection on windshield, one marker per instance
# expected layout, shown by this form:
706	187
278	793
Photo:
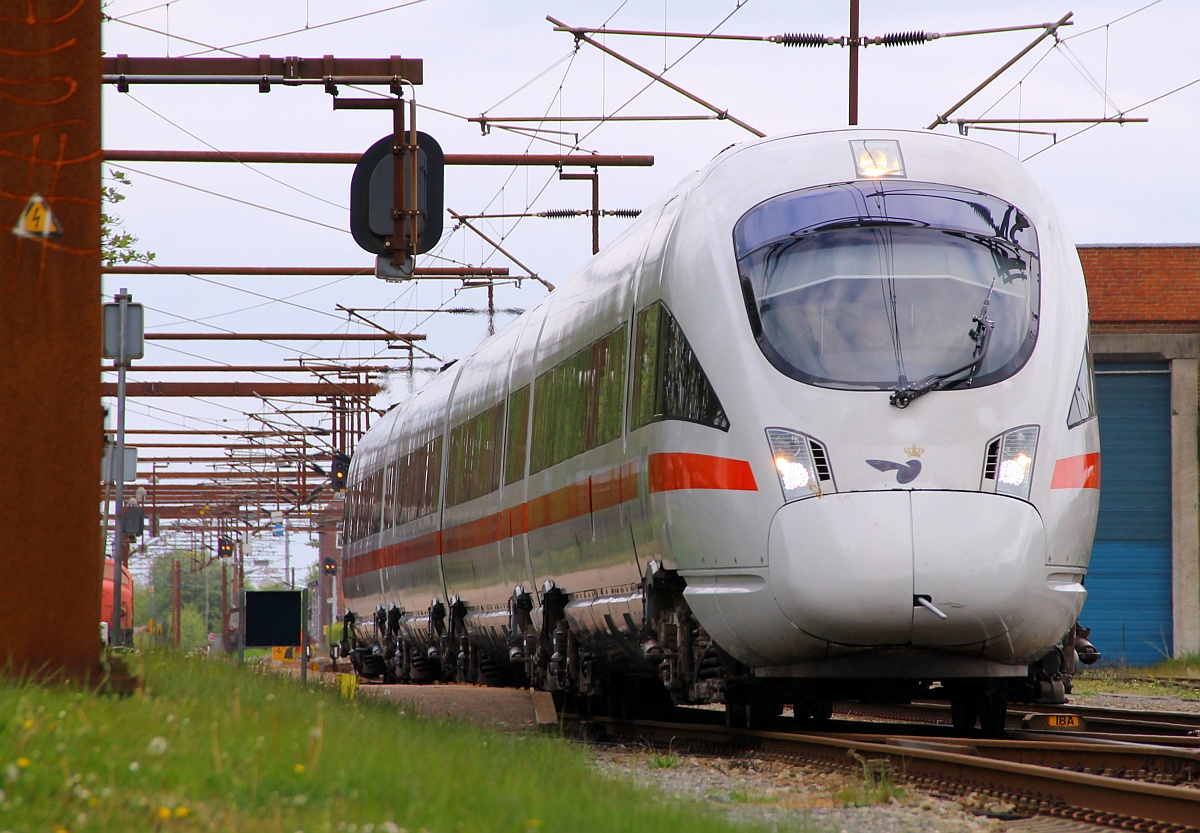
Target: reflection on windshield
875	285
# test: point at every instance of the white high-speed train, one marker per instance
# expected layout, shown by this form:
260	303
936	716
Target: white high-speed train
819	425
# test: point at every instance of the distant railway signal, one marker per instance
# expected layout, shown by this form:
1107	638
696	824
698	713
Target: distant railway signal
339	468
225	547
329	566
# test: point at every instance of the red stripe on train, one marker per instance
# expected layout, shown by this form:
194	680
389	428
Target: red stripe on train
1082	472
667	472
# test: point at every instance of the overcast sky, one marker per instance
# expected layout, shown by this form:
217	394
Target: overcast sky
1135	183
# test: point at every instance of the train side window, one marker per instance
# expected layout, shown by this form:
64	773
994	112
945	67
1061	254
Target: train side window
669	382
374	501
475	456
433	475
579	403
1083	401
518	435
389	496
418	478
349	527
405	492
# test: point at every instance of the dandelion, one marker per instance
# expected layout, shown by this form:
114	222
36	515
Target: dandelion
298	769
182	812
158	746
28	724
164	813
23	762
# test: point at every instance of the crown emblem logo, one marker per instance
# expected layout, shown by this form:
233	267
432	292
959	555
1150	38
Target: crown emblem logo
914	450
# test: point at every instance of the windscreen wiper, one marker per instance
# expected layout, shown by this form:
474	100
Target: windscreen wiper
903	396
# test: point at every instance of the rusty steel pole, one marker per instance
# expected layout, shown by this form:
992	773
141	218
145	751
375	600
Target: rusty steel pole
50	336
853	117
176	602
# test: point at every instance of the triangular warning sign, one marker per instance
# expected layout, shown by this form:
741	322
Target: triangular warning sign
37	220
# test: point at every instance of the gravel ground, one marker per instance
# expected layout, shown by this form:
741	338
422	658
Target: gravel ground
786	797
1137	701
790	798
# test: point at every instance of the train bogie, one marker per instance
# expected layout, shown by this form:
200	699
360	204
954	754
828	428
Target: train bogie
820	423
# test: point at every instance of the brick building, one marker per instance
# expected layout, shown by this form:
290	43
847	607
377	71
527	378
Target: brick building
1144	582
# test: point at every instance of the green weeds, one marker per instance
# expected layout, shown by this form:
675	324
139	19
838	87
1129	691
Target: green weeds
876	786
208	746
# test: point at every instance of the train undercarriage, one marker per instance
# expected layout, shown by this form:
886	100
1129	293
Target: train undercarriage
644	669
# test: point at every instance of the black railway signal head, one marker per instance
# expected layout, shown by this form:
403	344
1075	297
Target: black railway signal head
225	547
338	471
329	566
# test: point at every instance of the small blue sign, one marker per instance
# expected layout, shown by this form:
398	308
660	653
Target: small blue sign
277	530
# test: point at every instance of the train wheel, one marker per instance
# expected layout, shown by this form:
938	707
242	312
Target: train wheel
993	709
737	712
822	713
753	709
964	710
814	712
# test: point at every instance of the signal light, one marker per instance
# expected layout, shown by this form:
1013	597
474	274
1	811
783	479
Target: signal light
329	566
225	547
338	471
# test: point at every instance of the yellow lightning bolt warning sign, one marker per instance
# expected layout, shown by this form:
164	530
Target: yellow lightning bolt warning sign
37	220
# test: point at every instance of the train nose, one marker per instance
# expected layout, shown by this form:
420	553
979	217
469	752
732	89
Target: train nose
848	568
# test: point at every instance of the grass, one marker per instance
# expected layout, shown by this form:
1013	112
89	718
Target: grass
209	746
1111	679
875	787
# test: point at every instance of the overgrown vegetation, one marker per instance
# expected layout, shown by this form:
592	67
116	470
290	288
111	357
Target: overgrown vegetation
117	245
876	786
209	746
1144	681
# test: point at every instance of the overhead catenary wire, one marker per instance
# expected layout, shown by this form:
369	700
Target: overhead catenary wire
308	28
1079	68
246	165
1146	103
123	166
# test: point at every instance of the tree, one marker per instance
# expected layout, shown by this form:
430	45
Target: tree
116	244
200	591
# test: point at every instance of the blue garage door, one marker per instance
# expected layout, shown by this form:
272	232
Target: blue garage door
1129	579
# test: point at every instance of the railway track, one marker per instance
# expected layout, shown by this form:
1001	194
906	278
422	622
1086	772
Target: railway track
1174	728
1117	784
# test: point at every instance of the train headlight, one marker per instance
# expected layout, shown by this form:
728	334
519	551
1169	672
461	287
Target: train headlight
877	158
801	463
1008	468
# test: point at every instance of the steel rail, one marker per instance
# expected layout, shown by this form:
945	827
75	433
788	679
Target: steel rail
1116	721
1043	790
1118	759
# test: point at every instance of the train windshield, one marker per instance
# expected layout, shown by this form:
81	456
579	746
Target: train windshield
877	284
